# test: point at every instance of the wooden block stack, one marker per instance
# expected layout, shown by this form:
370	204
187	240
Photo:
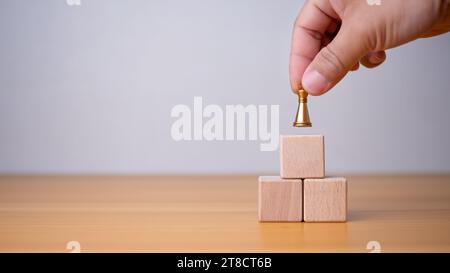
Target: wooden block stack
302	192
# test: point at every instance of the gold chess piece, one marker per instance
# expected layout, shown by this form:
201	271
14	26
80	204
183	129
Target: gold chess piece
302	117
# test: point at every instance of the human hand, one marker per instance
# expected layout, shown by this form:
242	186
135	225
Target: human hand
332	37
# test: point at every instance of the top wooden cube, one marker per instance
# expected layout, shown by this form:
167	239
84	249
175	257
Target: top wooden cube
302	156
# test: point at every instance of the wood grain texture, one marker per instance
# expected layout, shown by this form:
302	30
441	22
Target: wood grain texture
325	200
302	156
213	214
280	200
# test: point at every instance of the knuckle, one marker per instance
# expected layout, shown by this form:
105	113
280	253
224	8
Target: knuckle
332	61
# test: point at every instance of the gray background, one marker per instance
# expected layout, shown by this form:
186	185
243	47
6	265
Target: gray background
89	89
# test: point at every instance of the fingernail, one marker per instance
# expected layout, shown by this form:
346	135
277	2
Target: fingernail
314	82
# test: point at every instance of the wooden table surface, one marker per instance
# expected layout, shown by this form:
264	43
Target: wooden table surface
213	213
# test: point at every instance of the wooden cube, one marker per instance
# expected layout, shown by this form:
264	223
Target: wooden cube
325	200
302	156
280	200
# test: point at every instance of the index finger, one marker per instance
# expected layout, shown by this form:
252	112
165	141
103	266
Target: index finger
310	26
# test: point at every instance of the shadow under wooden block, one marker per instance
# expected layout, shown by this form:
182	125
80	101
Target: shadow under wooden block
325	200
302	156
280	200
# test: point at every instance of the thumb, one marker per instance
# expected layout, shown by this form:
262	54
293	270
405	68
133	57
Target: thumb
333	61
